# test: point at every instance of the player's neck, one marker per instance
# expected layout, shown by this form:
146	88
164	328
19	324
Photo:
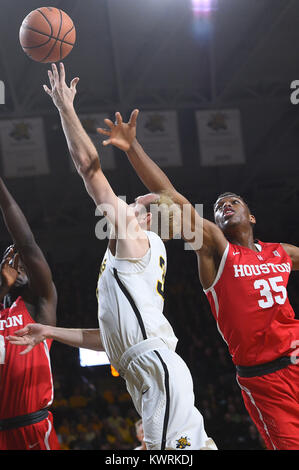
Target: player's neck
242	237
16	292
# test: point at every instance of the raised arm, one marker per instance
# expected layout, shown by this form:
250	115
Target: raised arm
123	136
87	162
37	268
35	333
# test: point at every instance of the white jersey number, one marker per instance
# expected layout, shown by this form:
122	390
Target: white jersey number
2	349
268	290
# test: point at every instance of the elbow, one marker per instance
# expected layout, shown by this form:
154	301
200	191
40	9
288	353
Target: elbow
84	168
88	167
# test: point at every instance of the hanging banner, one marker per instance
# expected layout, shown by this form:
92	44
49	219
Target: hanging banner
157	132
220	137
24	150
91	122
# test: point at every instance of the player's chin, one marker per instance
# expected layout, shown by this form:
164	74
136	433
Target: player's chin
228	222
20	282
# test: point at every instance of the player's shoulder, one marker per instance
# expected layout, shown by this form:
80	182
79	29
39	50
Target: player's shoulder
157	245
269	245
154	238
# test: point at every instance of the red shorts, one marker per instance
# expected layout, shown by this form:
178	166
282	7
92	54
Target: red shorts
272	401
38	436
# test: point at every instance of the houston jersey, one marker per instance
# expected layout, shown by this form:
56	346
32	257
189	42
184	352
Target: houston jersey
25	380
131	300
250	303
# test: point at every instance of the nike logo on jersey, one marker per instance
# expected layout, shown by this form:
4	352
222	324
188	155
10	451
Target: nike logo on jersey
242	270
14	320
236	253
30	446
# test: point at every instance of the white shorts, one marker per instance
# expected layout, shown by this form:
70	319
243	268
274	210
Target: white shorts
161	388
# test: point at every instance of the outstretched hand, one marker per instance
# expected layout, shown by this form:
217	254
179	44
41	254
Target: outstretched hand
62	95
31	335
121	134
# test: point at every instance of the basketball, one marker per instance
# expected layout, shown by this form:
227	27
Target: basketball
47	34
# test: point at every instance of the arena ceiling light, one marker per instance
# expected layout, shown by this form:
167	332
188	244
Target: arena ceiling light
204	6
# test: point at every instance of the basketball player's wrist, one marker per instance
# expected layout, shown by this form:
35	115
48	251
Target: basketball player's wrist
133	146
66	109
48	332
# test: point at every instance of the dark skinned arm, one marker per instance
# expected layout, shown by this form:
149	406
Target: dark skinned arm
37	269
123	136
33	334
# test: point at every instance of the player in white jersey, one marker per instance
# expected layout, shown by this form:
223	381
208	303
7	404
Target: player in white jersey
136	336
137	284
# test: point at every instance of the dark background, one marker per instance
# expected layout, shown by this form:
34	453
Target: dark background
157	55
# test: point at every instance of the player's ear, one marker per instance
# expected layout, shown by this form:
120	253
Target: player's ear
252	219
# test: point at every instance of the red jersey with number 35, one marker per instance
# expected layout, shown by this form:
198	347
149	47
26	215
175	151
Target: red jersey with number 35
250	303
25	380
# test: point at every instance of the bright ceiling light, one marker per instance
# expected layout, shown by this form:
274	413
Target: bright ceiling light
204	6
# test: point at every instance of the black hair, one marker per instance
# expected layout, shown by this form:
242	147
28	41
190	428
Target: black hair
226	194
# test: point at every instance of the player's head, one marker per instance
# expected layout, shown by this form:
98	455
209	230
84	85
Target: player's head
231	211
158	212
22	278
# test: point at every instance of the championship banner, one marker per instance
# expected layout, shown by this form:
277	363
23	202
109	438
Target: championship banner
157	132
91	122
220	137
24	150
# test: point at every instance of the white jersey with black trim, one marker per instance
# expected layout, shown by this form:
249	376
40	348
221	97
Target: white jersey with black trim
131	300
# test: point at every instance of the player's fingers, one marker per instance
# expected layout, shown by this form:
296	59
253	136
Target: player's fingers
109	123
10	251
74	83
15	339
25	351
55	73
11	247
47	90
62	72
16	261
100	130
8	256
133	117
118	118
7	261
23	331
106	142
51	78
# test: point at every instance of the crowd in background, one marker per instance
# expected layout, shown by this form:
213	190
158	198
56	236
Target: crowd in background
92	409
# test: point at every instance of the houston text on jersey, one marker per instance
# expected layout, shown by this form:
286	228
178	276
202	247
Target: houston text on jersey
241	270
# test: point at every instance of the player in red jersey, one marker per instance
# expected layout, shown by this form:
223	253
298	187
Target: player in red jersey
28	295
245	283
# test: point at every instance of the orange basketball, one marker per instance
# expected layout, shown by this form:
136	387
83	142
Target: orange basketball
47	34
